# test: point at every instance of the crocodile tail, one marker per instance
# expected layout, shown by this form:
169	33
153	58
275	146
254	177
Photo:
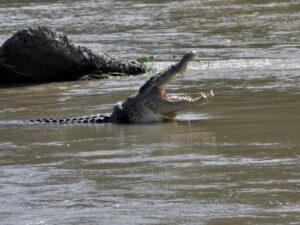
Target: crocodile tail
93	119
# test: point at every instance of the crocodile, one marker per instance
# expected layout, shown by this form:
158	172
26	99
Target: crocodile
150	104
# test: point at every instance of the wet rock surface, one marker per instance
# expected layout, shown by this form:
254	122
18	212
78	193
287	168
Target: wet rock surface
40	54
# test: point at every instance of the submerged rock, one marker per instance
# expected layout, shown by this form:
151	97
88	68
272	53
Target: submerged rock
39	54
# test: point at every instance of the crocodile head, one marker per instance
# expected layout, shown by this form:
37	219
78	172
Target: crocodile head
152	103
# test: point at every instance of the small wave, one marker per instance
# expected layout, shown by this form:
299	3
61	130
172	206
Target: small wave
13	122
193	116
11	145
53	143
235	64
11	110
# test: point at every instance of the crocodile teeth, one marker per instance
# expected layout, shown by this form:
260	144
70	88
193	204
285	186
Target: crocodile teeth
191	99
203	95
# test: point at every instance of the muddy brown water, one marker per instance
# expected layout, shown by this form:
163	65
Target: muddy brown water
233	161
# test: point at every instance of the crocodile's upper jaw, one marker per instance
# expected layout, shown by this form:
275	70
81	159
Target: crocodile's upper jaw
153	104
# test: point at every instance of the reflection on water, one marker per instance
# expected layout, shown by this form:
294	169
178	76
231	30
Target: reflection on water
233	161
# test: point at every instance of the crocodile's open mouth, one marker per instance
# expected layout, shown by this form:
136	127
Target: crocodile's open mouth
152	103
174	98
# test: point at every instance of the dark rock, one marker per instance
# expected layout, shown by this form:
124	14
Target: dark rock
39	54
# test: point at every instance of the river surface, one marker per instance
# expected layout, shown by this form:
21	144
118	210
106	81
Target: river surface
233	161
